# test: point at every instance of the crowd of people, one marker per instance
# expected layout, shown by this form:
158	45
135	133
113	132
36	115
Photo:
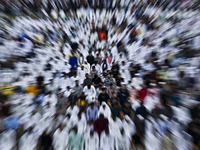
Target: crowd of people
100	75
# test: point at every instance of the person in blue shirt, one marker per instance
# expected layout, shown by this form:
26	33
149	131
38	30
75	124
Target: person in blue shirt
11	122
92	112
73	61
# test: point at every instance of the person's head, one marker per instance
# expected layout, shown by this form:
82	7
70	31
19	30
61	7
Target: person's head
119	76
95	76
68	88
114	117
91	133
104	106
82	67
82	94
75	129
88	86
92	105
93	68
106	55
95	62
107	131
75	74
61	127
108	76
79	115
113	94
100	86
90	53
122	131
87	75
101	117
77	83
103	90
123	63
123	87
97	56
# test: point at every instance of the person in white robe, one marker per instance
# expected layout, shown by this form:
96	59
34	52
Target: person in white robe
91	141
51	98
105	110
122	142
125	74
129	125
90	92
73	110
107	140
80	122
81	74
115	125
150	100
137	81
28	140
60	138
8	139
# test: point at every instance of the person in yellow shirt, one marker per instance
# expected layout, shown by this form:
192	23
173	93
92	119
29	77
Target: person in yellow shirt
32	88
82	102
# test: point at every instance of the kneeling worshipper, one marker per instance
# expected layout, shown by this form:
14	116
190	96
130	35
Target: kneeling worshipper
92	141
114	125
76	140
100	124
107	140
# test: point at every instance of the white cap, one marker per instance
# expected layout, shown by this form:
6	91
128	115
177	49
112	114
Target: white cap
137	74
153	84
162	83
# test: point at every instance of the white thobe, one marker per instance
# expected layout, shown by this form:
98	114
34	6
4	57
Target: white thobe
7	139
137	82
149	102
60	139
122	142
81	124
106	141
73	111
92	143
114	127
91	93
81	74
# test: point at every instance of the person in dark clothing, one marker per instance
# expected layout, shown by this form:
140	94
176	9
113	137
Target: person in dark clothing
73	98
104	66
136	141
116	110
115	73
90	58
103	97
127	109
40	83
141	110
96	81
100	124
155	113
87	81
147	78
119	80
46	141
123	95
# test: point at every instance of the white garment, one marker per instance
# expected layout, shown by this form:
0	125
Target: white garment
81	124
81	74
106	112
90	93
8	139
128	126
150	101
92	143
73	111
60	139
115	127
52	99
122	142
106	141
137	82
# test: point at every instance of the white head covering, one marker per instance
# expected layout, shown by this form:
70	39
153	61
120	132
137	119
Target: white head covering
106	112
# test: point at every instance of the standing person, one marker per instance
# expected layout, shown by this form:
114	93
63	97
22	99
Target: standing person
73	61
92	112
82	102
98	59
100	124
40	83
96	81
109	81
87	81
60	138
90	92
81	74
46	141
111	89
90	58
107	140
123	95
122	142
92	141
77	88
103	97
76	140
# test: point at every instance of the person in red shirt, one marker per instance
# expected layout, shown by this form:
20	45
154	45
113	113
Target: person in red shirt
100	124
142	93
